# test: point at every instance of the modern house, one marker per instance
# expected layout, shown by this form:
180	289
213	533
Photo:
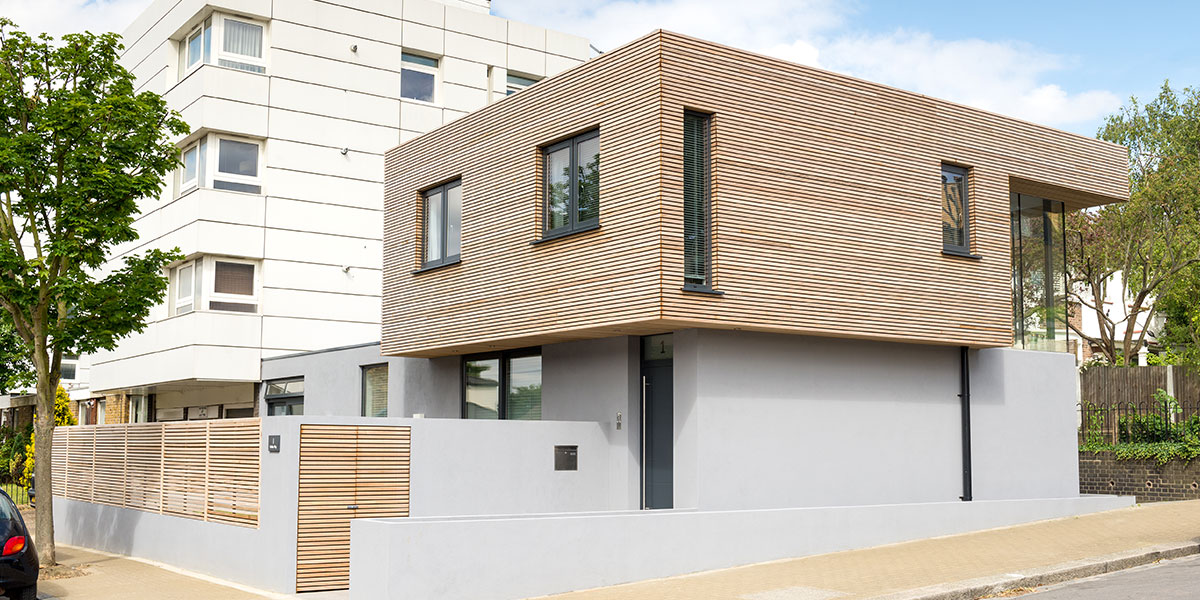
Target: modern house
676	308
278	202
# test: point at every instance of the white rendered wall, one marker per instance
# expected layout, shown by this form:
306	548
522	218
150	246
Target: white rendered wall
332	83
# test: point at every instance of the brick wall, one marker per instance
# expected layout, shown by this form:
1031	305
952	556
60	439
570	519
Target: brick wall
1100	473
116	409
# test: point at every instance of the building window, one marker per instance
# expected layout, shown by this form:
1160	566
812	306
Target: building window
697	202
375	391
572	193
241	45
418	77
504	385
67	371
1039	274
237	161
441	231
517	83
955	210
91	412
184	297
284	397
141	409
233	286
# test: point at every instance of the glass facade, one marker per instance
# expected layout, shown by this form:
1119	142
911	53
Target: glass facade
1039	275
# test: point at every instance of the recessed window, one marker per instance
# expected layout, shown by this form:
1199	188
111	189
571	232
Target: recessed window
418	77
233	287
375	391
504	385
955	210
441	231
238	163
572	191
517	83
284	397
697	205
240	46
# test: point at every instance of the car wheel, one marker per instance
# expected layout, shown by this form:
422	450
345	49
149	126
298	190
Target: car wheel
25	593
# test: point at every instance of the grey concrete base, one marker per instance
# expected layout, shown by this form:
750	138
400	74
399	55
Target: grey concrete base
973	589
427	558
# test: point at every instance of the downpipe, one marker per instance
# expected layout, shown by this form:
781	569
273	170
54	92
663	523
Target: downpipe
964	396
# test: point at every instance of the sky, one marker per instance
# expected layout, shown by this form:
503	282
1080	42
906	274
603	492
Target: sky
1060	63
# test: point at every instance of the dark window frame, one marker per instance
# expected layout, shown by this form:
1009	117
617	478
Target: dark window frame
689	283
286	399
444	188
362	377
965	173
574	225
505	357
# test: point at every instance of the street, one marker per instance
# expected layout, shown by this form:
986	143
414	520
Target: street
1167	580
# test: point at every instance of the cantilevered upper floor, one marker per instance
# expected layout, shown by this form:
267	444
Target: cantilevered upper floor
677	183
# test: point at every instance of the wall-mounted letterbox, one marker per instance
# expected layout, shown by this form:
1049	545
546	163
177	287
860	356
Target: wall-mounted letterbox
566	458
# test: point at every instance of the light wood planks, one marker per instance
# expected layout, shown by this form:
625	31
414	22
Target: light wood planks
826	207
207	470
346	472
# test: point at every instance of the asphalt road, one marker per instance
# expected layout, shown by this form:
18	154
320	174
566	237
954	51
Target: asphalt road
1177	579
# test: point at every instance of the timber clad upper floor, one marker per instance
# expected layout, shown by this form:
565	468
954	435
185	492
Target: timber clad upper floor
810	202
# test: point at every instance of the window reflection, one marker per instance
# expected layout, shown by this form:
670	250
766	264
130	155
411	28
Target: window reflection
1039	274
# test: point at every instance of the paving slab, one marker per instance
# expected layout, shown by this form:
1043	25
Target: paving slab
958	566
111	577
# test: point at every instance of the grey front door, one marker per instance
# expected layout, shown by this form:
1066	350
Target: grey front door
658	423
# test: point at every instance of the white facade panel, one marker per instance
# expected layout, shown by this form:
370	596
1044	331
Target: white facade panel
325	160
423	38
324	218
526	61
334	102
526	35
336	46
474	48
323	249
284	333
322	305
334	73
473	23
317	277
325	15
425	12
299	185
330	131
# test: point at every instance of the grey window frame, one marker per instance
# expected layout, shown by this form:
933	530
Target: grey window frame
691	285
504	356
444	260
362	377
574	226
965	248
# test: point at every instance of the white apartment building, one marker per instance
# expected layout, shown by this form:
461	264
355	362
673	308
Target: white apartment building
278	204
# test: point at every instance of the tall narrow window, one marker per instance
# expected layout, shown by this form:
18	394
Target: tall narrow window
955	210
441	231
418	77
572	192
375	391
503	385
697	202
185	281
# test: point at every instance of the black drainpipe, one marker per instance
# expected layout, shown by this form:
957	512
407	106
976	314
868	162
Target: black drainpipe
965	398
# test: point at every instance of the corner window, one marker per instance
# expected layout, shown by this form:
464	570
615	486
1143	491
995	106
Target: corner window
284	397
572	192
955	210
242	46
234	43
516	83
697	205
233	287
441	230
184	296
504	385
238	163
375	391
418	77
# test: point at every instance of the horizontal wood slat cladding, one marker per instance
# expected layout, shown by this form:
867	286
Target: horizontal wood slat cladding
346	472
207	470
826	207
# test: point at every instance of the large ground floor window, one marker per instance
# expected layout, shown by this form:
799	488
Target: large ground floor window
503	385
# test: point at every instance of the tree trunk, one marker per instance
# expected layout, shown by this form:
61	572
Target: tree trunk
43	428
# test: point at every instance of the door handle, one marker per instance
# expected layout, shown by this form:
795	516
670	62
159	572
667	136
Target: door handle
352	507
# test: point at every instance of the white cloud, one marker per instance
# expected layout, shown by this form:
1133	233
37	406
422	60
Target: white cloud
1006	76
57	17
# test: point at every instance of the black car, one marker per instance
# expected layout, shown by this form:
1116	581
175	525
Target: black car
18	559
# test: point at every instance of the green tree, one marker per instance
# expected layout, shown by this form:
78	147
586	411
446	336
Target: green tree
1179	303
1150	240
16	371
78	149
62	416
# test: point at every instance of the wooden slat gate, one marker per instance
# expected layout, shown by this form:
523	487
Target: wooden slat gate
346	472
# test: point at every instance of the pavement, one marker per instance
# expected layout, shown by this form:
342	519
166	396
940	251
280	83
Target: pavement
1166	580
959	567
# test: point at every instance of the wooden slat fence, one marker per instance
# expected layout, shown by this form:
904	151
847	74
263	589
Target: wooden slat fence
206	470
1108	394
